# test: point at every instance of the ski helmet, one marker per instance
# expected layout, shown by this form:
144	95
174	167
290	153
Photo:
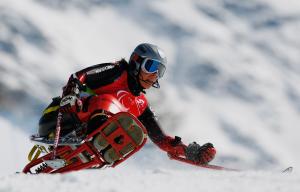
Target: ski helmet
149	58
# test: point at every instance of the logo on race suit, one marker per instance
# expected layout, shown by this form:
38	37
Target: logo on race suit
140	102
129	101
101	69
124	98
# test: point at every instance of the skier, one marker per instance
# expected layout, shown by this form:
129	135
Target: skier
126	81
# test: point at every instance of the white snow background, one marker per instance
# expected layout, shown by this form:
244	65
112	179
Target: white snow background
232	79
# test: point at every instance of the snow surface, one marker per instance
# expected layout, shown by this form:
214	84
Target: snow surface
232	79
135	180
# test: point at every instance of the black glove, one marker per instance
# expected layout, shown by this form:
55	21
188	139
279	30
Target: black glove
200	154
73	87
70	103
176	141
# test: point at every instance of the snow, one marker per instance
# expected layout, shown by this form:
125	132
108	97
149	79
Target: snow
232	79
134	180
14	147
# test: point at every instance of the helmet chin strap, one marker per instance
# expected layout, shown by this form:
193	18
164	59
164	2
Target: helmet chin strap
146	81
154	84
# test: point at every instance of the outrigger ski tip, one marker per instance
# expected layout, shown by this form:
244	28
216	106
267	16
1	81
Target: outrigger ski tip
288	170
217	167
208	166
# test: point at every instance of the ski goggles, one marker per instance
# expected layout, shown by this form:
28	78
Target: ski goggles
153	66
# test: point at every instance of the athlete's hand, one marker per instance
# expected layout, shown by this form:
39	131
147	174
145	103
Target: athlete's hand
70	103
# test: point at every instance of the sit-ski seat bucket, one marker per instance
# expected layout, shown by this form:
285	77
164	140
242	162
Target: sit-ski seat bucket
117	139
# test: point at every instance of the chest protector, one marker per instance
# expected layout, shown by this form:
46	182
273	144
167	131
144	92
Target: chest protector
115	97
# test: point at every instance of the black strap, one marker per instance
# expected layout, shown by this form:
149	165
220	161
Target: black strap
86	103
